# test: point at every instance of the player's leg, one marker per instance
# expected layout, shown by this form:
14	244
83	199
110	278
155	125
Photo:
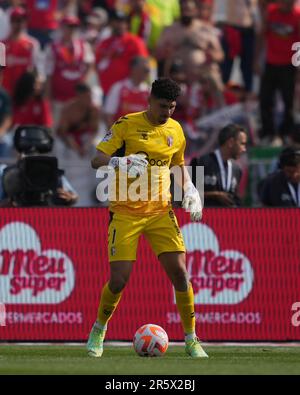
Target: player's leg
110	297
175	267
112	290
166	239
124	232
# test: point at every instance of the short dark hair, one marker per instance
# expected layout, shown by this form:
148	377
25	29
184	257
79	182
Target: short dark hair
290	156
229	131
165	88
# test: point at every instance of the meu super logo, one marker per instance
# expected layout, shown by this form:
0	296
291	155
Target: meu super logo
218	276
29	274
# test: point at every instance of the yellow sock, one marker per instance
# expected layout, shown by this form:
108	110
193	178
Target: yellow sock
185	306
108	304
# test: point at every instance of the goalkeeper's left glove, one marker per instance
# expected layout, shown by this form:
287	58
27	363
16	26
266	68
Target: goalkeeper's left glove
192	202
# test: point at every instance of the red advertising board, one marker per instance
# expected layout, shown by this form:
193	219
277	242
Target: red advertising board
244	266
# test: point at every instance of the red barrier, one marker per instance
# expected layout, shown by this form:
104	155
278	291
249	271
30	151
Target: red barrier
244	266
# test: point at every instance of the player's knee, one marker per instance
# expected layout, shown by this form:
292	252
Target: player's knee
117	285
180	279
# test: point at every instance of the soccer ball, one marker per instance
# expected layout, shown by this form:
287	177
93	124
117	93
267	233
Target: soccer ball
150	340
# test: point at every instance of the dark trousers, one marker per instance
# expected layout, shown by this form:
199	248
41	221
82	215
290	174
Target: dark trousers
247	54
281	79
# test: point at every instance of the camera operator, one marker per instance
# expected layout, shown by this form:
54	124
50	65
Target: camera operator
35	180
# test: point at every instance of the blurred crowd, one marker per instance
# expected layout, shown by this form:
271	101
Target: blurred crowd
78	65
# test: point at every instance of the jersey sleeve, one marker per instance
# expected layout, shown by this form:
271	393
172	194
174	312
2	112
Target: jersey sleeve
178	156
114	138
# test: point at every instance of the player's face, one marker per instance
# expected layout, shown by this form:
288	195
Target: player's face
292	173
239	146
161	109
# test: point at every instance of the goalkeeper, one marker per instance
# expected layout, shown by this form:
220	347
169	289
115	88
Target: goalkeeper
151	138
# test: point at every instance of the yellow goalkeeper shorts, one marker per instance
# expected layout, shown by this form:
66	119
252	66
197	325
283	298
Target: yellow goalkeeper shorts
162	232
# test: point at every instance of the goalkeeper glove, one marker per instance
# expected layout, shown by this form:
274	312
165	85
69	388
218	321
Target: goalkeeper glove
192	202
134	165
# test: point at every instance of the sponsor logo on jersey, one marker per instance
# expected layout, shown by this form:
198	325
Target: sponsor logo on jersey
170	141
108	136
153	162
143	134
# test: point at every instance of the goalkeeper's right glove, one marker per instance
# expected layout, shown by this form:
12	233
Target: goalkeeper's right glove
135	165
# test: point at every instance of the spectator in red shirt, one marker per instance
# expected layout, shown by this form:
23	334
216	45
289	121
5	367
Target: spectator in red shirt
30	107
42	19
22	51
281	31
113	55
131	94
69	61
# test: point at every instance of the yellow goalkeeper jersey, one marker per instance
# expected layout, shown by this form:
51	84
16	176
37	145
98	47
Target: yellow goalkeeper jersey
163	146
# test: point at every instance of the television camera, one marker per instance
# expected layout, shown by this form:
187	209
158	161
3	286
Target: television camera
34	179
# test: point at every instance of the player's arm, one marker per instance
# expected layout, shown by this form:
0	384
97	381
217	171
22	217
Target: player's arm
133	164
101	159
191	198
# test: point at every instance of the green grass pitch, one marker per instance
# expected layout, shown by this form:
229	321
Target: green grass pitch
224	360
